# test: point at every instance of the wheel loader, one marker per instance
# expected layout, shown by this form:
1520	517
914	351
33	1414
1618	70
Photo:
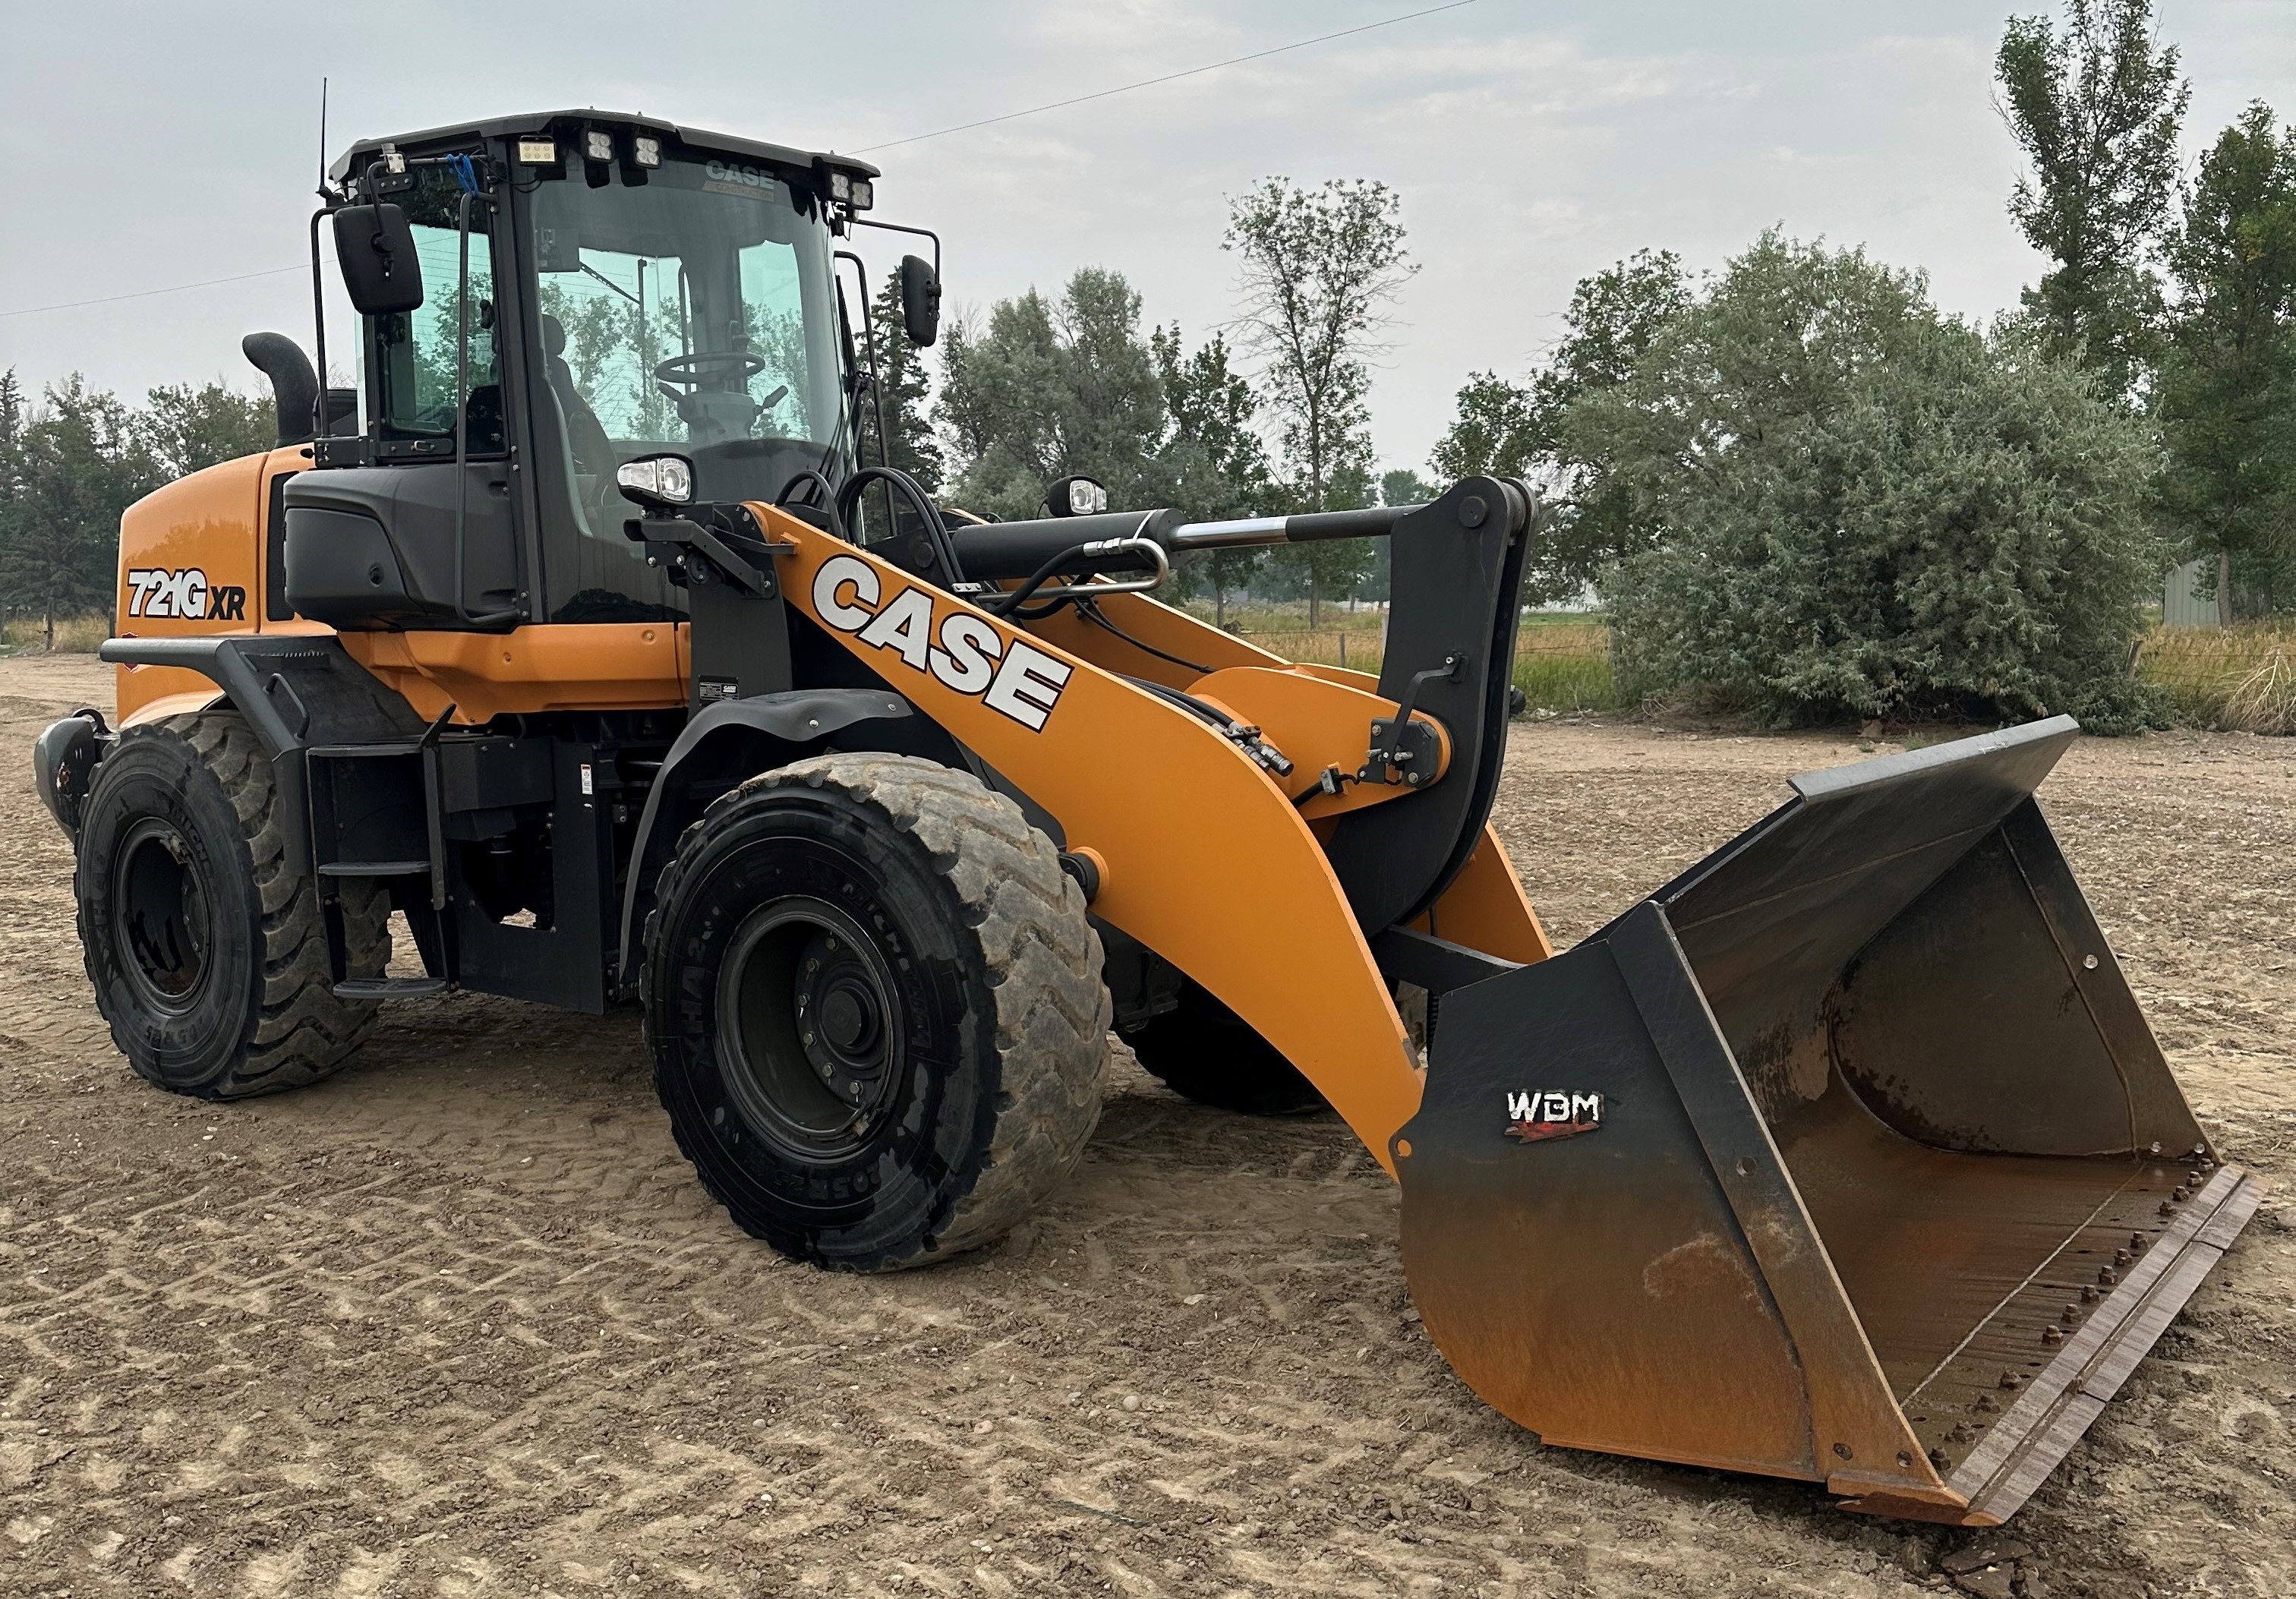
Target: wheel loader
585	638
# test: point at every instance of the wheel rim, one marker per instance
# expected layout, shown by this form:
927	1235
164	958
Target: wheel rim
160	914
808	1029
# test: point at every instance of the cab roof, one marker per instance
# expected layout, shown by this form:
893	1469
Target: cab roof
535	122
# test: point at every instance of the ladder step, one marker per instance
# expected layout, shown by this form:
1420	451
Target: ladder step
375	869
390	988
357	752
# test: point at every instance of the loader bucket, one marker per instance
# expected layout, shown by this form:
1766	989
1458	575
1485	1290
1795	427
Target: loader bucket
1846	1156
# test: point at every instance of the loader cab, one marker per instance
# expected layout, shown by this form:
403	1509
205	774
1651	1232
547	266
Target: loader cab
593	289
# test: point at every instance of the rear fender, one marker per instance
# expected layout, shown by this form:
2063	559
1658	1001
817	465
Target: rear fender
295	689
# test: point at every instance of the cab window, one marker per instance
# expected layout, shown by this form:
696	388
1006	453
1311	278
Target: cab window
417	353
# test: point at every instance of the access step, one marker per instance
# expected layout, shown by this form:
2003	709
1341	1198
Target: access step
362	751
375	869
390	988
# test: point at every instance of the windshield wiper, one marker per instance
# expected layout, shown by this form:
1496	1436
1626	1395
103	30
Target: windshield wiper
610	284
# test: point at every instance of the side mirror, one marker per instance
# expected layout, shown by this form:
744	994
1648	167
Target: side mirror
376	248
920	301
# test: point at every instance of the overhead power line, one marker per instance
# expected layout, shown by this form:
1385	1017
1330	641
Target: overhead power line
939	133
108	299
1146	83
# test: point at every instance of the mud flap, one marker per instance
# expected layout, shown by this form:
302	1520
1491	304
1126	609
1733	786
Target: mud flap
1847	1156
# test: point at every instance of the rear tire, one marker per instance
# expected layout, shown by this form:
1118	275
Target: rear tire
1202	1050
208	950
875	1009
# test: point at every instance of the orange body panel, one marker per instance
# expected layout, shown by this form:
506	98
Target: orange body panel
1485	909
190	563
1209	863
1316	724
573	666
1173	632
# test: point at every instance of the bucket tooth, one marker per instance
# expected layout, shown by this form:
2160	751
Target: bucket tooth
1847	1156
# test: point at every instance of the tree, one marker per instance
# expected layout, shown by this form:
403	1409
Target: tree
182	429
77	467
1320	268
2227	394
1500	430
903	388
12	453
1214	458
1050	388
1404	487
1517	430
2097	109
1843	503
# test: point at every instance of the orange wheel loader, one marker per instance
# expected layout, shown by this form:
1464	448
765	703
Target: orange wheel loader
583	637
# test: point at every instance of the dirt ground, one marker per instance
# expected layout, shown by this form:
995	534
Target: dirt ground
458	1321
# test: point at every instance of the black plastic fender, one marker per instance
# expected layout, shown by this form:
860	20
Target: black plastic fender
798	719
296	690
63	763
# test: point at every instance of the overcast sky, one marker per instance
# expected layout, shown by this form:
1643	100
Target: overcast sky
1532	141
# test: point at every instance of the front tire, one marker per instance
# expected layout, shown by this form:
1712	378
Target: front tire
1203	1051
207	947
875	1009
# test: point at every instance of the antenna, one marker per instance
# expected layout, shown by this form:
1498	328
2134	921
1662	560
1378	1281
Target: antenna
323	138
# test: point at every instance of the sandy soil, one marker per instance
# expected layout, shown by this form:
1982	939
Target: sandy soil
459	1322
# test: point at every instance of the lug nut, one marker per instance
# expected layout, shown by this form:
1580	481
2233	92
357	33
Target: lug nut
2088	1295
2121	1257
1939	1459
2137	1244
2070	1315
2011	1381
2106	1276
2168	1208
2051	1335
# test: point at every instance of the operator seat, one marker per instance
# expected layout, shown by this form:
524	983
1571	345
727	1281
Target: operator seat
586	438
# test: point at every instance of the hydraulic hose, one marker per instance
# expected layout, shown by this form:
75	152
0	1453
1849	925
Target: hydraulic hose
944	548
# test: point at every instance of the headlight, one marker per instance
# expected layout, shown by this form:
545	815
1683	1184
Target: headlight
1076	496
598	144
656	482
647	150
538	153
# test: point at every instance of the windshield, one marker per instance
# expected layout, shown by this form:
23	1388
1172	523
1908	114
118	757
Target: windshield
696	312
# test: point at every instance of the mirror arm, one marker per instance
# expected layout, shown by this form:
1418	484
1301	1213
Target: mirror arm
876	380
896	228
319	420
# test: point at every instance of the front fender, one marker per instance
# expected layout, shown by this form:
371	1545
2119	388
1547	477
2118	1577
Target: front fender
799	719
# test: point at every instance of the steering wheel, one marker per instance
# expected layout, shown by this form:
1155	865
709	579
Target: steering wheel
687	369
